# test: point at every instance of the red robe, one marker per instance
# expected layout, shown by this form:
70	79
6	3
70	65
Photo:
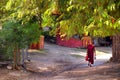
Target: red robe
90	53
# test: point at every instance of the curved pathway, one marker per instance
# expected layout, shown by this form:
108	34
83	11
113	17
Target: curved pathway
76	55
63	63
54	56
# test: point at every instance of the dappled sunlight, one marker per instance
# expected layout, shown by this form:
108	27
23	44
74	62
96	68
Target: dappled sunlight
43	68
103	55
70	62
100	54
87	79
83	54
36	51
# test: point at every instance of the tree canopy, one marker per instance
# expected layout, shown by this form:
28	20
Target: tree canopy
98	17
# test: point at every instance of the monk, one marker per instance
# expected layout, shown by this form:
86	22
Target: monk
85	40
91	54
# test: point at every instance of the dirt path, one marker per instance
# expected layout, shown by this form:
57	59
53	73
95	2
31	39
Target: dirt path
63	63
73	55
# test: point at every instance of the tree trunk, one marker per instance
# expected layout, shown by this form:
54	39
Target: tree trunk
16	58
116	48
